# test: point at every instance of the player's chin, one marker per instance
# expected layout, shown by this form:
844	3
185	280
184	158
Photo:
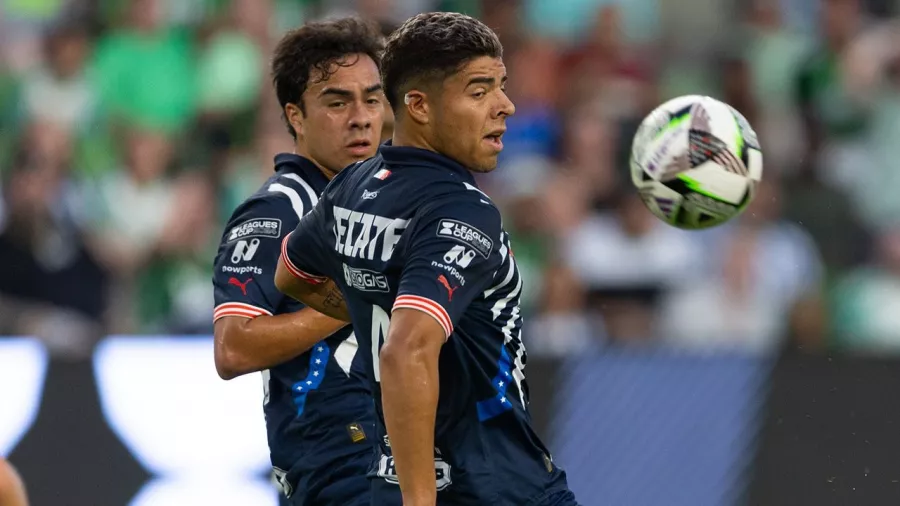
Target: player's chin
484	163
361	154
351	158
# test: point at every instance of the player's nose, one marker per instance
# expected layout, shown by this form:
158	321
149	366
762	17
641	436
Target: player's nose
506	107
362	117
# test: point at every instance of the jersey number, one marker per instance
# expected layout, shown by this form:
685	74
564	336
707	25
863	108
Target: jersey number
380	324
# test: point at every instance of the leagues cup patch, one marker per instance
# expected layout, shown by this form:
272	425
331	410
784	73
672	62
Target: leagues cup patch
466	234
256	227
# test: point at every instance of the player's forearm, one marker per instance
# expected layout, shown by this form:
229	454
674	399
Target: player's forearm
325	298
409	391
248	345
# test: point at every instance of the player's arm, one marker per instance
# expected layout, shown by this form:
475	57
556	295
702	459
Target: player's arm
247	337
323	296
442	276
297	277
244	344
12	490
409	393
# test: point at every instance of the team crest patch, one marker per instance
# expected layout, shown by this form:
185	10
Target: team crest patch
257	227
466	234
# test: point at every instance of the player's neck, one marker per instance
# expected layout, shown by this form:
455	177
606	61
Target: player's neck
411	140
300	150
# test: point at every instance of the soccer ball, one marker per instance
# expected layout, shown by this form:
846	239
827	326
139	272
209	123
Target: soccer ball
696	162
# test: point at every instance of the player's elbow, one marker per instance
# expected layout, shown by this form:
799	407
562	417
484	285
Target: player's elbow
230	362
411	340
227	365
396	357
226	368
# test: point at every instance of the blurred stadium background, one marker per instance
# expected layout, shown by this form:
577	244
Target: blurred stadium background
757	363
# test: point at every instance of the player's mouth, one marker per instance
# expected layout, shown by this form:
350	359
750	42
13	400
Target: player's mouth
361	147
494	139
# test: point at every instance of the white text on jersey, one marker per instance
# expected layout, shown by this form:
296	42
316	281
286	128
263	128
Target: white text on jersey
358	234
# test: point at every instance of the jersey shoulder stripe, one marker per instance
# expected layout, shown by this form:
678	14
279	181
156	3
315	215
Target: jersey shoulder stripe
303	185
299	193
238	309
427	306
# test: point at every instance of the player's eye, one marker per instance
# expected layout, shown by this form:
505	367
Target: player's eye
337	104
479	94
374	101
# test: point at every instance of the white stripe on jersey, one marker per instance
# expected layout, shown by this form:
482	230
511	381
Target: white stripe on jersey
518	370
475	189
514	315
292	194
313	198
487	293
266	377
518	366
504	237
345	352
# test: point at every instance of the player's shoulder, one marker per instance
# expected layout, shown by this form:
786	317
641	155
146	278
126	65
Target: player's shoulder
266	213
359	173
453	198
431	175
295	193
291	192
467	216
259	216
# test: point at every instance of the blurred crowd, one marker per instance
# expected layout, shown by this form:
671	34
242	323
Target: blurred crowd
129	130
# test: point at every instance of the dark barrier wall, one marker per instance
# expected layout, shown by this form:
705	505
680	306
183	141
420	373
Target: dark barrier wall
146	422
831	435
658	428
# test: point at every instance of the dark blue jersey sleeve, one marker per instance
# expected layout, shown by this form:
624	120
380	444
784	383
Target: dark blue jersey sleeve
454	251
244	275
301	249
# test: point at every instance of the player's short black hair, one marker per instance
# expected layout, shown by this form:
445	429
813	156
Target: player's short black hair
318	47
432	46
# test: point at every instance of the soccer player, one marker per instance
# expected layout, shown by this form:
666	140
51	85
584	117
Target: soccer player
430	279
318	405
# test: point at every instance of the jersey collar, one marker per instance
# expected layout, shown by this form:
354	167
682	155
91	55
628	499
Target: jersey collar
290	162
407	155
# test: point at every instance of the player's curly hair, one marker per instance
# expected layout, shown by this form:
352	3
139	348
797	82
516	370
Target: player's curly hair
430	47
319	47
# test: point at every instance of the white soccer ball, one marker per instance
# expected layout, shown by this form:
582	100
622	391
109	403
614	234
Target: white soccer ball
696	162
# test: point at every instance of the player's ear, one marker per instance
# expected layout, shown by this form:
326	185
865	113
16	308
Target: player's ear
295	117
416	103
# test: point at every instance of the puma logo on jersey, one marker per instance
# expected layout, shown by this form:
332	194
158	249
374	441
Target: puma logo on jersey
243	286
362	235
450	289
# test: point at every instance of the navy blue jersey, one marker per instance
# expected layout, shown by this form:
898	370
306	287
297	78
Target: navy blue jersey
410	229
318	406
